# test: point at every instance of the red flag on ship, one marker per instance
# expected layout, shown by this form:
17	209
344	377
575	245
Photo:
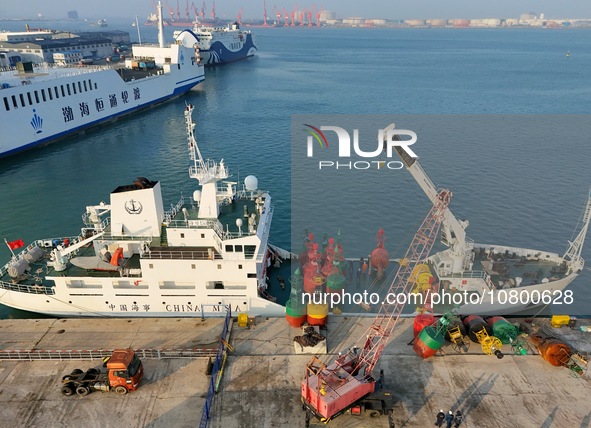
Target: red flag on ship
13	245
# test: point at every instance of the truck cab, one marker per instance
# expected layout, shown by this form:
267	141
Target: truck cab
124	369
124	373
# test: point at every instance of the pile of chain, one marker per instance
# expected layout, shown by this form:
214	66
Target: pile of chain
310	337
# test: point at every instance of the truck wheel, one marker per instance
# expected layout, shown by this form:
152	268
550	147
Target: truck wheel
68	377
121	390
82	390
374	414
92	371
68	390
77	372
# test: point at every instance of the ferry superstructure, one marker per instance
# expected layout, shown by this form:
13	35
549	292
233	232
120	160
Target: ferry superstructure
133	258
485	276
221	45
39	105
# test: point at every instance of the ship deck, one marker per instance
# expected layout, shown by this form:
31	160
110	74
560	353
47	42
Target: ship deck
504	268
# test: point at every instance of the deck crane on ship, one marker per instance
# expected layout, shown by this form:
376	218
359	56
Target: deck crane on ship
328	391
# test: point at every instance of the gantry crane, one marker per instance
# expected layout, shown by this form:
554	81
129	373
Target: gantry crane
328	391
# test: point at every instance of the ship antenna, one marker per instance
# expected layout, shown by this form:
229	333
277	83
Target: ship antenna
137	26
194	151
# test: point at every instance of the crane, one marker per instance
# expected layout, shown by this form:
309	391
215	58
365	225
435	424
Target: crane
202	14
264	13
454	233
328	391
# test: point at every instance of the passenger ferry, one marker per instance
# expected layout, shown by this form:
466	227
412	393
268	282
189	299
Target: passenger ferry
41	104
134	259
221	45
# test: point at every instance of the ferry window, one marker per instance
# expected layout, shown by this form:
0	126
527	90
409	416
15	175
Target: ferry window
219	266
95	87
6	105
229	248
80	87
218	285
193	266
90	85
22	97
249	251
14	104
29	98
73	88
239	266
85	87
251	275
182	235
57	95
37	97
203	236
238	248
49	93
151	266
63	91
68	88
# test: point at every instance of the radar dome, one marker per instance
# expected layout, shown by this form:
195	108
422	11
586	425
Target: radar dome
251	183
239	222
197	195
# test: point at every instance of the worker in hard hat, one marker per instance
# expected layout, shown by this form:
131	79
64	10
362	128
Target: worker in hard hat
440	418
449	418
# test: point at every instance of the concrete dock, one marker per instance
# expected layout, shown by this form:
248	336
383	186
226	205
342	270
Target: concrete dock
260	386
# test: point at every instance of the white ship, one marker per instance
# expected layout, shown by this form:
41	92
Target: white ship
485	276
220	45
42	104
133	258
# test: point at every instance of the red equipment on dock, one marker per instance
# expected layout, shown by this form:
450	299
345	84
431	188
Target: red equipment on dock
328	391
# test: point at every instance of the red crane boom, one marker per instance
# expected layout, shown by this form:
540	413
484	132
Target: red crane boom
327	391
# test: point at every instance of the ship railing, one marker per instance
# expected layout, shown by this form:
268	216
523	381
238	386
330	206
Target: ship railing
102	225
469	274
174	210
217	370
99	354
209	224
31	289
181	254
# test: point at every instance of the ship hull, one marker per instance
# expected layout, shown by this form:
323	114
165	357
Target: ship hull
94	96
141	306
493	304
223	52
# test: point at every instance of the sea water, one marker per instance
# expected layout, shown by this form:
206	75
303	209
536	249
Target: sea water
532	194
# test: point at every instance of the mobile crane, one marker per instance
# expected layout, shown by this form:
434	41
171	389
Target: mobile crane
347	383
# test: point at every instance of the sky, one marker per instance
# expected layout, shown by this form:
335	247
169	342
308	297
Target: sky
388	9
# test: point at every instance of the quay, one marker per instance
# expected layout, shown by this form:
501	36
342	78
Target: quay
260	385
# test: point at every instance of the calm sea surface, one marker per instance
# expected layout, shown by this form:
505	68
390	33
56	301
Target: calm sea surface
531	196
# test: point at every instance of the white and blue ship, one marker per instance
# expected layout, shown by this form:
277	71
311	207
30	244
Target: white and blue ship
221	45
41	104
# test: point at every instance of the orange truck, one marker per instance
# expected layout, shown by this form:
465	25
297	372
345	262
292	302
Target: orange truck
124	373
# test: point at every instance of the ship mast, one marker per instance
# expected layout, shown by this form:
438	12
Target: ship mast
573	253
206	172
160	26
